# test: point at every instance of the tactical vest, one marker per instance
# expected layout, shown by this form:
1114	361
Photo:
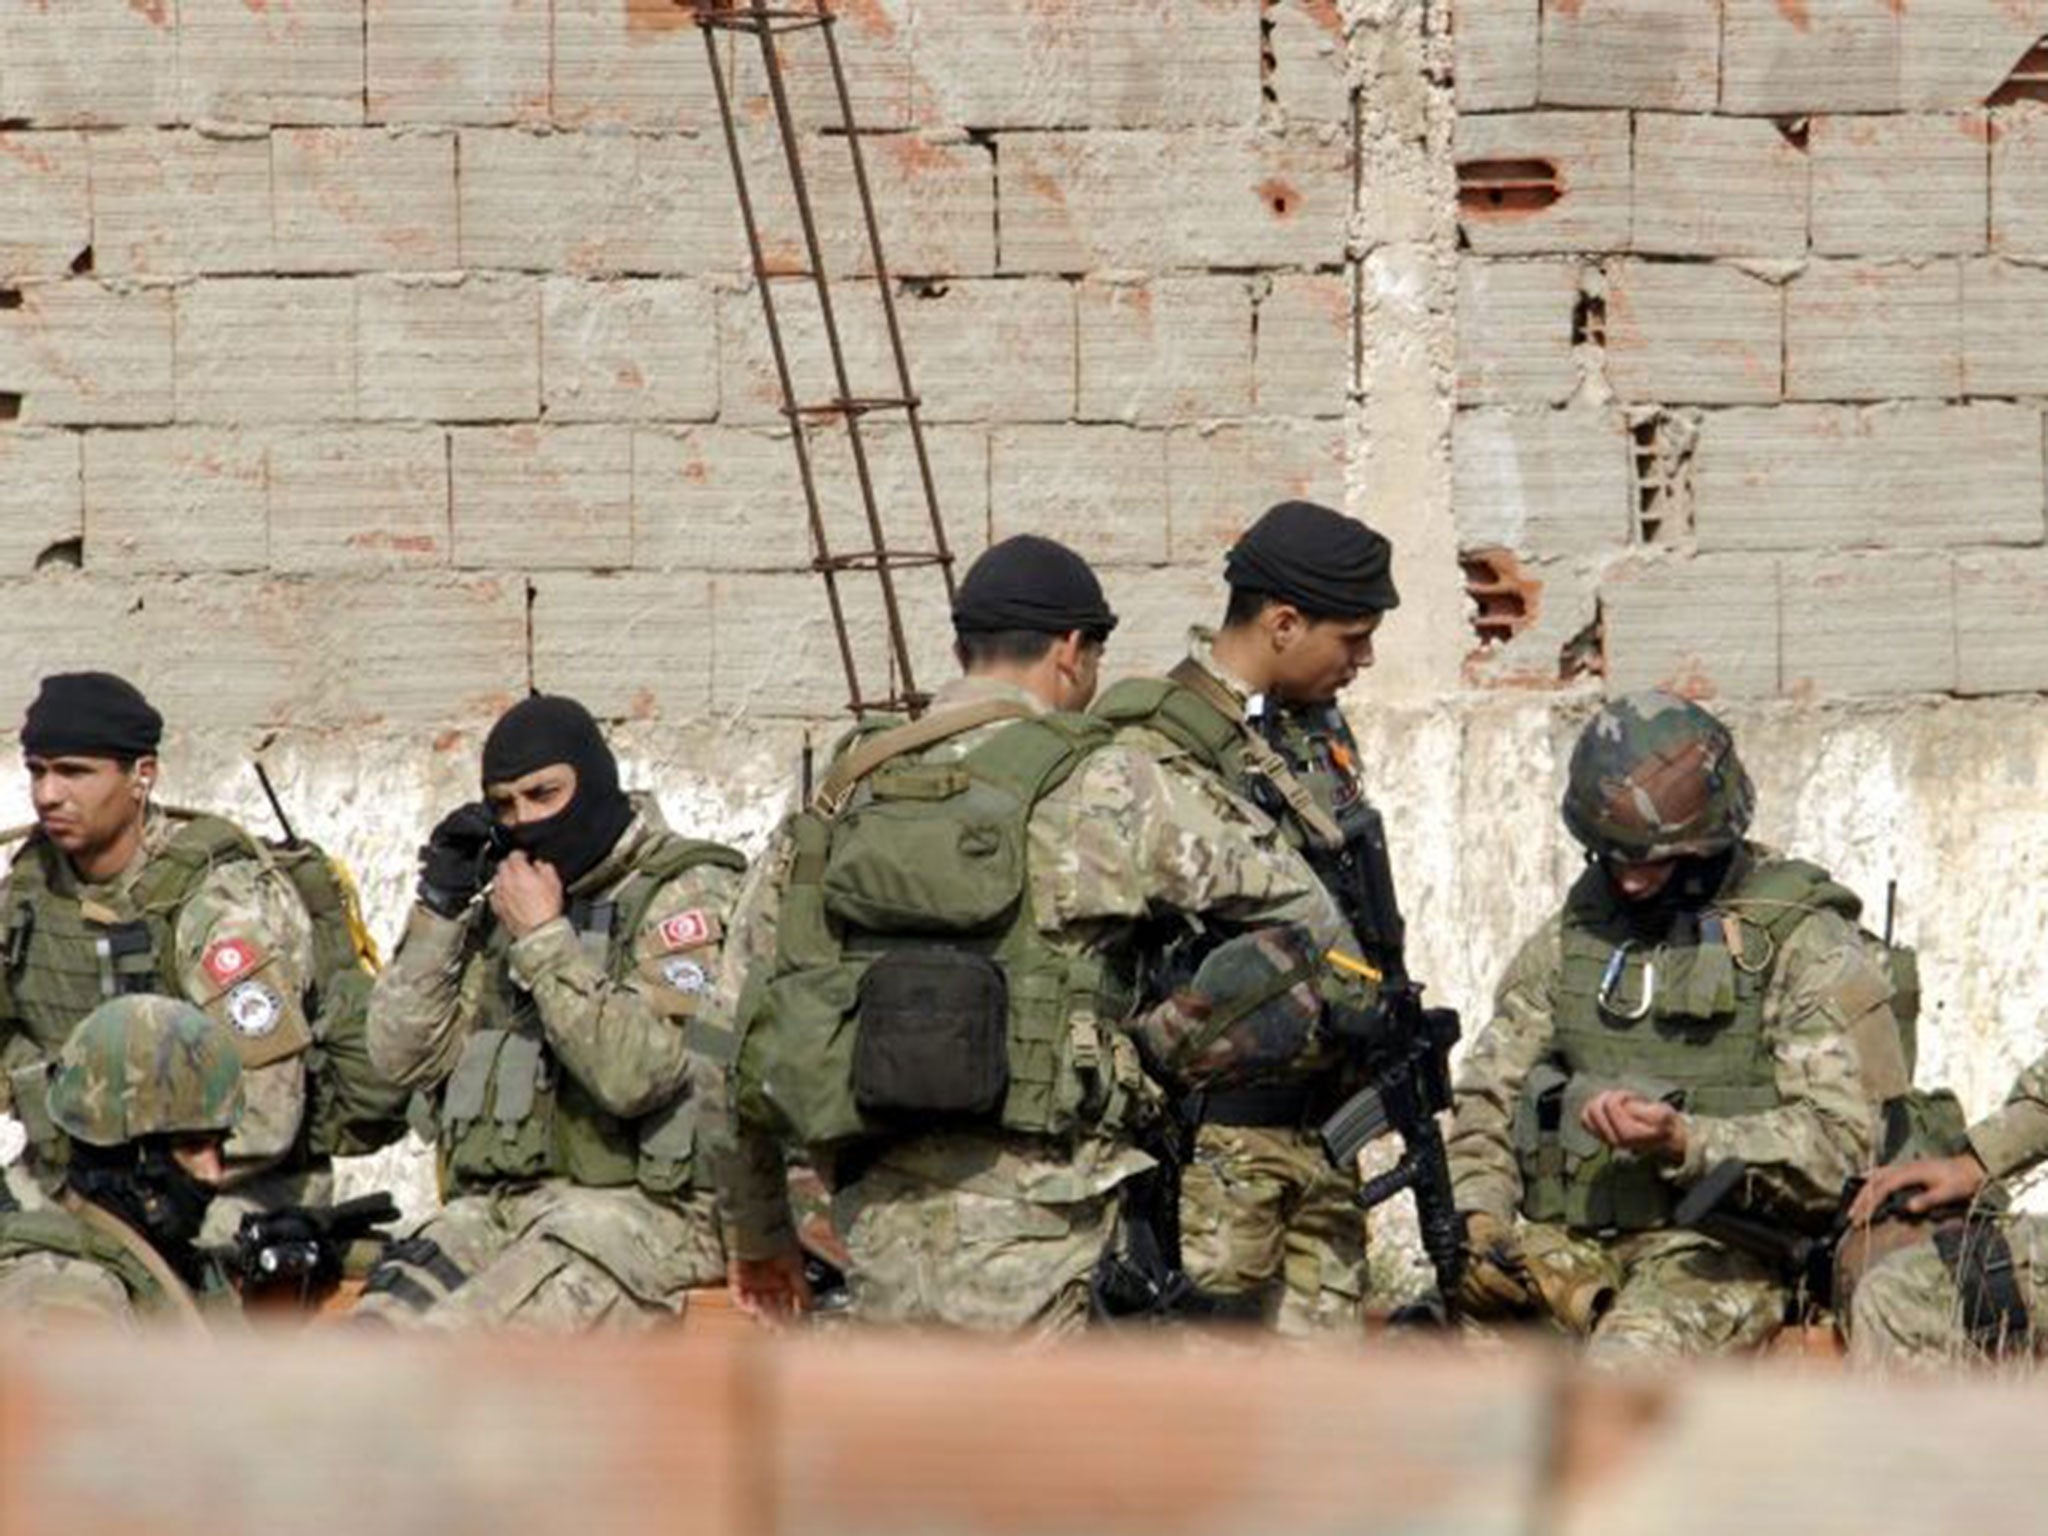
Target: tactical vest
1681	1022
912	987
61	963
23	1233
510	1114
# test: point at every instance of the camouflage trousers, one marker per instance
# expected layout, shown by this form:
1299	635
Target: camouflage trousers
556	1258
984	1233
1262	1213
1651	1295
1907	1311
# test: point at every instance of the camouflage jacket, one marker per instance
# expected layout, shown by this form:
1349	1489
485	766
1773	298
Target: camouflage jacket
1822	1130
2014	1137
1120	840
244	954
622	1041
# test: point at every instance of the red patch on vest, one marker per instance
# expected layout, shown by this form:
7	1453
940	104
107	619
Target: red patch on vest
227	961
686	930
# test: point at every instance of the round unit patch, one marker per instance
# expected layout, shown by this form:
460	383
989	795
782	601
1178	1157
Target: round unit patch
684	975
253	1009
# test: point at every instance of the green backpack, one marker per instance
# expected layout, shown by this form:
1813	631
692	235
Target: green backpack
911	987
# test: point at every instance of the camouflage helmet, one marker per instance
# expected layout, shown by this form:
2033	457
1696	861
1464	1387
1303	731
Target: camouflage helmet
1655	777
144	1066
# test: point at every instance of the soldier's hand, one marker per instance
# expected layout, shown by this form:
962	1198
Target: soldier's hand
1493	1279
773	1291
1937	1181
456	860
526	894
1633	1122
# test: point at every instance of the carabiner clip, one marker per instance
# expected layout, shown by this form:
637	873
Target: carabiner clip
1610	983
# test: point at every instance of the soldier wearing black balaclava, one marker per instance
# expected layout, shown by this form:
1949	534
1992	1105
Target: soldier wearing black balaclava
543	994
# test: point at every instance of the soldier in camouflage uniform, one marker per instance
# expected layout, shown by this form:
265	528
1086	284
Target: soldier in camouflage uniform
973	1222
112	894
1973	1287
1264	1217
146	1089
552	1020
1698	998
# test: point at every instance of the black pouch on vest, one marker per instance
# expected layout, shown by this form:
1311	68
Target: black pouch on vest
934	1031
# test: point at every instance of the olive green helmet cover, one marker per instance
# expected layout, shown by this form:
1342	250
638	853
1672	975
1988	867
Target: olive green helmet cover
145	1066
1656	777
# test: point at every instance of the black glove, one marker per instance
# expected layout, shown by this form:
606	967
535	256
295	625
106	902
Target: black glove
457	861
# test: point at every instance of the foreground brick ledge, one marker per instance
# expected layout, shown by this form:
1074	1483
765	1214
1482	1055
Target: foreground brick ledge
728	1434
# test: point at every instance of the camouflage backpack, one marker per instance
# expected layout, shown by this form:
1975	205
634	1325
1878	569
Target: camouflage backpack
911	986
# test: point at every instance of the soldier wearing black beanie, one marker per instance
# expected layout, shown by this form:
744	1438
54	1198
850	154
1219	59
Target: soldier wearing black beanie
1265	1219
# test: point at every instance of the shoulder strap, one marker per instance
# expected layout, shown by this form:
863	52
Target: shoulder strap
671	856
1034	756
1778	896
1318	823
177	1296
194	849
874	751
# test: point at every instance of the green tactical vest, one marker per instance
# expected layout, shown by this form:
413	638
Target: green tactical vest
58	1231
924	854
510	1114
60	964
1679	1022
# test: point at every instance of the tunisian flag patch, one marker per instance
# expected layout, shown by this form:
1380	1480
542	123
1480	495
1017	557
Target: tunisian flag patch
227	961
686	930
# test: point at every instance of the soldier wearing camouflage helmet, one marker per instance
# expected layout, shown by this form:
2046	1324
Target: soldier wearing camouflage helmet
146	1091
111	893
930	981
1698	998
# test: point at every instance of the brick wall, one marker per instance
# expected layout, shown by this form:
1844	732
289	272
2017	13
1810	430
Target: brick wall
1750	340
372	359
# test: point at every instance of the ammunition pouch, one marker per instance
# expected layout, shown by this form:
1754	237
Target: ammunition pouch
1569	1175
933	1036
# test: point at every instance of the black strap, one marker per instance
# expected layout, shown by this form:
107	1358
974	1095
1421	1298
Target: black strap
1980	1259
1273	1105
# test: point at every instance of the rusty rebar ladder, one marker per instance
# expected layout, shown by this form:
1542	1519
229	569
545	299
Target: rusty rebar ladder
766	23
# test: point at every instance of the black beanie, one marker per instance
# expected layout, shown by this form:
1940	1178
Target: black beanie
537	733
91	714
1326	564
1033	584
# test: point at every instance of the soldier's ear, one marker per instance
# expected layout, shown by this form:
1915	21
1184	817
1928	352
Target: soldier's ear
145	777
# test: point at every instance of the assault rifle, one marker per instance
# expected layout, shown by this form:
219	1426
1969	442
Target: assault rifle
1400	1048
302	1248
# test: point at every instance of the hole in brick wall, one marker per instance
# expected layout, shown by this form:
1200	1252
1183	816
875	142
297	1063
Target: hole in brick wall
1589	321
1585	654
81	264
926	288
2028	80
1505	597
10	298
1661	446
10	406
13	124
1794	131
1507	186
63	555
1269	59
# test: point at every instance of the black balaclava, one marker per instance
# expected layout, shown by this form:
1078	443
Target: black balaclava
143	1185
538	733
1693	885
